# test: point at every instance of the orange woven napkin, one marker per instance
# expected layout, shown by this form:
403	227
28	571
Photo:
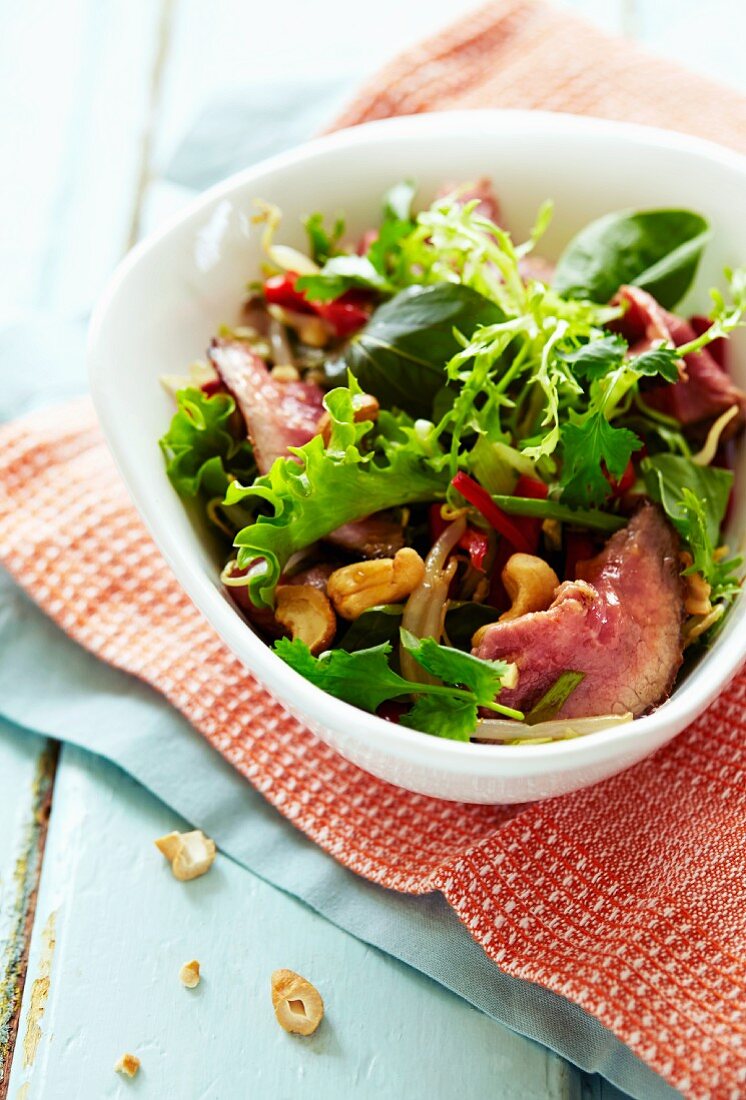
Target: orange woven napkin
628	898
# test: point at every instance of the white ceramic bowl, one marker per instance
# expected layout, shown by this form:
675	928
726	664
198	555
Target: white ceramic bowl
170	294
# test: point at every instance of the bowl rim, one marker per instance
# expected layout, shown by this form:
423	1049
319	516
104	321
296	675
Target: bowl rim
282	681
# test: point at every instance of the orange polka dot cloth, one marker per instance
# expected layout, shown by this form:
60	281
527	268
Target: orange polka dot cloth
629	898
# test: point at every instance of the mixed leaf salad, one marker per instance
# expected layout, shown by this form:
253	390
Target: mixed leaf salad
464	488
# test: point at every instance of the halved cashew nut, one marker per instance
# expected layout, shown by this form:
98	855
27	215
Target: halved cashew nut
354	588
189	974
697	589
190	854
364	407
307	614
530	583
298	1005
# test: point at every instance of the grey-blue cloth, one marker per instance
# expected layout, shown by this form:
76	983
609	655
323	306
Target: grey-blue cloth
107	712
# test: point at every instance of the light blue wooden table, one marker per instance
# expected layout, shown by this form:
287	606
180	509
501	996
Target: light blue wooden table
96	95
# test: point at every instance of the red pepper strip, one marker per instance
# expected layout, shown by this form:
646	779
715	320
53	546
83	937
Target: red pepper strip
279	290
530	525
346	314
626	481
495	516
476	543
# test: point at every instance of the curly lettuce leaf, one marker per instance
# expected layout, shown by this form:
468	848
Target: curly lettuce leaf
201	452
321	487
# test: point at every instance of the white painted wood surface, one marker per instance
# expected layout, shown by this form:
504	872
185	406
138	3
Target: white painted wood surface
97	95
123	926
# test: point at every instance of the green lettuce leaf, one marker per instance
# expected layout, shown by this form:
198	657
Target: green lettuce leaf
321	488
201	452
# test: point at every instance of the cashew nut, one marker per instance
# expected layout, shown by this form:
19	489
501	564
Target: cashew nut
190	854
354	588
129	1064
298	1005
697	595
306	612
364	407
530	583
189	974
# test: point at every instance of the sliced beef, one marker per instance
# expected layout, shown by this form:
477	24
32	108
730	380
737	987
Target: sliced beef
376	536
619	623
705	390
278	415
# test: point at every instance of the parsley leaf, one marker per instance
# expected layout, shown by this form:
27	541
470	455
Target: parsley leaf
595	359
323	243
590	443
483	678
452	717
365	679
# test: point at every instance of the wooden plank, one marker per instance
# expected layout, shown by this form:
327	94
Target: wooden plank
123	926
27	766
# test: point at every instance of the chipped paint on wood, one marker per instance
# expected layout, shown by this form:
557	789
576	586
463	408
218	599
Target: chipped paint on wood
24	884
39	994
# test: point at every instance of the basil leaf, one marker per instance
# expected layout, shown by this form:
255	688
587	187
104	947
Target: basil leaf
400	355
657	250
667	476
374	627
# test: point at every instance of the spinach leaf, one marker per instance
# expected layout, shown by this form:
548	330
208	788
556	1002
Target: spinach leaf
375	626
657	250
401	354
667	476
464	619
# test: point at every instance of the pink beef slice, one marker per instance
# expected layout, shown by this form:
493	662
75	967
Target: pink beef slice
376	536
705	389
620	624
277	415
